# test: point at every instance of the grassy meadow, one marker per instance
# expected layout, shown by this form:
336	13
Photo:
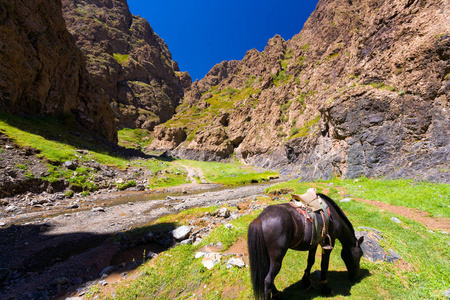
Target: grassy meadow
60	139
423	272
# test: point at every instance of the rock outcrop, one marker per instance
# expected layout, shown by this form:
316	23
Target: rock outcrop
129	62
42	71
362	90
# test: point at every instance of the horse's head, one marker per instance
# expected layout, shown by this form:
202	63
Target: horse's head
352	256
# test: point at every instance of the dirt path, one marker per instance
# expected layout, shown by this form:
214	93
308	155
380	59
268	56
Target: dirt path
194	173
433	223
48	254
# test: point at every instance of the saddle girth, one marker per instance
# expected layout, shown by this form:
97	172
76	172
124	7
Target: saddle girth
316	227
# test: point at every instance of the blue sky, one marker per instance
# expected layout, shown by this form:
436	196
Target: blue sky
203	33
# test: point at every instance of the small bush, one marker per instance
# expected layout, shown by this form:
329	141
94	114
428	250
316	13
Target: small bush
126	185
294	131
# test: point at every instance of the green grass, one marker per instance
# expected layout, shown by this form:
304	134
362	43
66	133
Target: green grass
230	173
57	140
306	129
429	197
423	271
166	277
134	138
121	58
194	119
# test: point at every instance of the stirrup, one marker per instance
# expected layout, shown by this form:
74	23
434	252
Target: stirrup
328	247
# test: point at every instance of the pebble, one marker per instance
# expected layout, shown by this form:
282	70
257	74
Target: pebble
186	242
70	165
229	226
103	282
395	220
223	212
346	200
98	209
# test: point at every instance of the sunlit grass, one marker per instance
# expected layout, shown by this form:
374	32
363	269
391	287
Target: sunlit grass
423	271
433	198
231	173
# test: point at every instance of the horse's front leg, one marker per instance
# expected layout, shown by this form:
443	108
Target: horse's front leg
325	289
306	281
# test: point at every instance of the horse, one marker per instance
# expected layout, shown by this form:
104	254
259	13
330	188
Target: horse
281	227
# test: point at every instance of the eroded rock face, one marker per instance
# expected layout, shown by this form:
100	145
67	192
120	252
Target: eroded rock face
362	90
129	62
42	72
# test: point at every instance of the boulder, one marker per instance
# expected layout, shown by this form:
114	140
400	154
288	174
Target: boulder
181	232
235	262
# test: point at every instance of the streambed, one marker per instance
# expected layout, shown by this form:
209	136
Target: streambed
46	252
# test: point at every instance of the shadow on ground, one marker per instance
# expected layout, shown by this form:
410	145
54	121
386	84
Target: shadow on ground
37	264
65	129
338	281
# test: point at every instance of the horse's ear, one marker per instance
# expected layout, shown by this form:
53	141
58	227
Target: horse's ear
360	241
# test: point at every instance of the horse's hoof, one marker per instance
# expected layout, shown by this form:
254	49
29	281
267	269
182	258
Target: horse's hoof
306	282
326	290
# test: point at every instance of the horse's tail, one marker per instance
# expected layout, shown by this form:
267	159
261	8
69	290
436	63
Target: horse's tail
259	258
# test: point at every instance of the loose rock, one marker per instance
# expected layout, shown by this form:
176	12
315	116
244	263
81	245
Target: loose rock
235	262
211	259
181	232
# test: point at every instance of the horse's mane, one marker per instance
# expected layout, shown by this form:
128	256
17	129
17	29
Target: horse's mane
339	210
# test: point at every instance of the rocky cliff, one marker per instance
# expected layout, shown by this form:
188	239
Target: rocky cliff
362	90
128	61
41	69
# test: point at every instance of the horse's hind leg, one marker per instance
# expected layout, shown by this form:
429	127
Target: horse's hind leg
306	281
270	291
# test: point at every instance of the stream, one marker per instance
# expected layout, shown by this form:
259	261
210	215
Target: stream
45	254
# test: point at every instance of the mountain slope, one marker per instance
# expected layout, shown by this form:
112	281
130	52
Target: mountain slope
42	72
362	90
128	61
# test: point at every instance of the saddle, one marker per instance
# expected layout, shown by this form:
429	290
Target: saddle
310	205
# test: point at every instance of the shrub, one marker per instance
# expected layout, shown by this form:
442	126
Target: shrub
126	185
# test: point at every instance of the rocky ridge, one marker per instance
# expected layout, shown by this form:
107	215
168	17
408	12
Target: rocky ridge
42	71
362	90
128	61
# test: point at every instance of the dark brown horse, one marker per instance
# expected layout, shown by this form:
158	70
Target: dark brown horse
281	227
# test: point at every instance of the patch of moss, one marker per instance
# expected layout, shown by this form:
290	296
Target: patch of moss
121	58
305	130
